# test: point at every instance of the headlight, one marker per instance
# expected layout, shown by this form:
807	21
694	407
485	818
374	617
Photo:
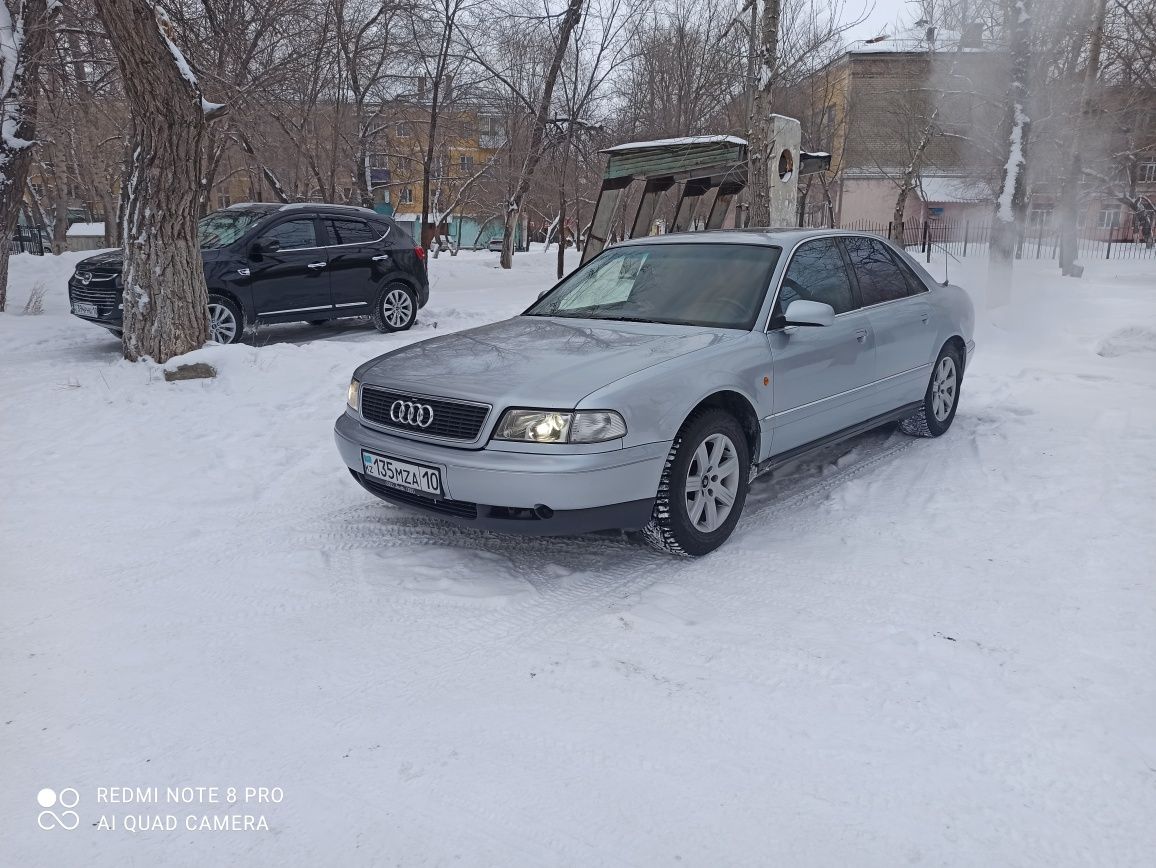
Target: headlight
560	426
353	395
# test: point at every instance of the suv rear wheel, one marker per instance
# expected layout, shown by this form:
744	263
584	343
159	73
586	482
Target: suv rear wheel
226	325
703	486
396	308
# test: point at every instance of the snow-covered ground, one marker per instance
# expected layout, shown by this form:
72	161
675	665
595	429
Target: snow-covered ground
911	652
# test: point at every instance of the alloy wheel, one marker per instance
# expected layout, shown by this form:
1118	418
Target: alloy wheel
712	483
397	307
222	323
943	389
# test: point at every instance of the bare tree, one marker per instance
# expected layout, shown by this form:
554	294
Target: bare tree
759	144
24	28
1069	190
1012	198
165	300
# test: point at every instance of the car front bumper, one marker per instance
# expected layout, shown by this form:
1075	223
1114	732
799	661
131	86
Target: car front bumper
105	298
518	492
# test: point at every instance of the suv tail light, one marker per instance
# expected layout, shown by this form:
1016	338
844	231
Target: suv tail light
420	251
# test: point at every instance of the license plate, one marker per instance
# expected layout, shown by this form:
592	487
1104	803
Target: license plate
82	308
402	474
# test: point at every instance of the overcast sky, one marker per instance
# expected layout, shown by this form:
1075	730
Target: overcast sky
880	19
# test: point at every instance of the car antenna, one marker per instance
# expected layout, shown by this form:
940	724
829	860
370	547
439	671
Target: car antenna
947	255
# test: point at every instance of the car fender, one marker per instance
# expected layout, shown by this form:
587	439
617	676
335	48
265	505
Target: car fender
657	400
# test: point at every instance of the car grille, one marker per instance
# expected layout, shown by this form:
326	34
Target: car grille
456	508
453	420
102	291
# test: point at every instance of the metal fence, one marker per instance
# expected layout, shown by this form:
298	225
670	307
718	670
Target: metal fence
28	239
964	237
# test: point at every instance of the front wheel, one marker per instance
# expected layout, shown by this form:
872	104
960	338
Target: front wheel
226	325
703	486
940	400
396	309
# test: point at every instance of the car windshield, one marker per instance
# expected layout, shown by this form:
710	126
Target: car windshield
222	228
720	285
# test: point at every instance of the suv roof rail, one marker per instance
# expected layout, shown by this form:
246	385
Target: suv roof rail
293	205
250	205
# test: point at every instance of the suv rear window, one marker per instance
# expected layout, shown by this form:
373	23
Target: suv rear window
349	231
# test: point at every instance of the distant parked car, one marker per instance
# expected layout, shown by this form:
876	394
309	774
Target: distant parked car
648	388
494	245
268	263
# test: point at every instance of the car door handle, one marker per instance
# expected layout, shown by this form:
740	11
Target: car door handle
379	258
316	264
244	272
924	317
861	335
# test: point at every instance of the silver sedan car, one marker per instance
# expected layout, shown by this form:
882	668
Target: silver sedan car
647	389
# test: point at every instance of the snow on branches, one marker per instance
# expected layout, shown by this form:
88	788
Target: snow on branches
168	31
12	68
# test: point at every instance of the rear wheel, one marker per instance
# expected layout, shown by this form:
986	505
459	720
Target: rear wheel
703	486
940	400
396	309
226	325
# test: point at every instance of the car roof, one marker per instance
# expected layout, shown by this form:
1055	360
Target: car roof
272	207
777	237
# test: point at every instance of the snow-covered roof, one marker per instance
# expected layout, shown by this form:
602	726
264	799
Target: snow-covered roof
680	142
955	190
85	230
913	40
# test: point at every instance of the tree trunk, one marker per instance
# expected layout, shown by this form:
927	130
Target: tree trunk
907	182
1070	186
165	301
759	158
24	32
570	21
1012	197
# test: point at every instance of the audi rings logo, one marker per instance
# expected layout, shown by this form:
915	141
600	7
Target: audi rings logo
411	413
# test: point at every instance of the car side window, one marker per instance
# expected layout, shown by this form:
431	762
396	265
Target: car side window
914	284
293	234
348	231
817	273
879	276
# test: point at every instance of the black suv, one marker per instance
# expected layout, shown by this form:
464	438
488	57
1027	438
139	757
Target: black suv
283	263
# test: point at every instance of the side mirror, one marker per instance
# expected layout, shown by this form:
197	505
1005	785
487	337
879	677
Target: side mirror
542	294
809	313
269	245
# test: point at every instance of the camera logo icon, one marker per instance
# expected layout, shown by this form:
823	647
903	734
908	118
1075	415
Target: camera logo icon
66	799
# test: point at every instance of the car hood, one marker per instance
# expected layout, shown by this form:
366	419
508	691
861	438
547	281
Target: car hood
113	260
535	361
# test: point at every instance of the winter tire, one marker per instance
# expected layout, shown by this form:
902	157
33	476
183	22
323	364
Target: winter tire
941	399
396	308
703	486
226	325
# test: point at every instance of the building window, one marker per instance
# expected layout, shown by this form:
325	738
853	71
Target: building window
1041	215
490	125
406	197
1109	217
1147	174
466	164
405	129
224	200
